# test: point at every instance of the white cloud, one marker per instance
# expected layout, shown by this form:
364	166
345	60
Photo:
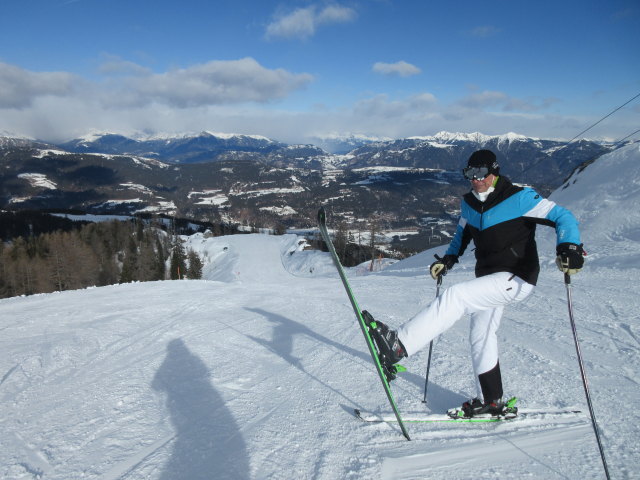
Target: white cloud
130	85
379	106
499	100
303	22
19	87
401	68
59	105
335	14
216	83
484	99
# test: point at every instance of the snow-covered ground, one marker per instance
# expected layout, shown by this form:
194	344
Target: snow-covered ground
253	373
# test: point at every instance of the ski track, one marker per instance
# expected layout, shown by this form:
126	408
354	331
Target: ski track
477	458
256	376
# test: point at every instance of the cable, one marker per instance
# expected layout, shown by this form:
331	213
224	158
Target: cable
623	139
606	116
586	130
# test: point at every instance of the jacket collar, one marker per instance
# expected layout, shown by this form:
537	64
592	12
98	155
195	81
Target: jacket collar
494	194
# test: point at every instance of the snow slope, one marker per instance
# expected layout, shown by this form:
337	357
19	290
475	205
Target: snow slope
253	373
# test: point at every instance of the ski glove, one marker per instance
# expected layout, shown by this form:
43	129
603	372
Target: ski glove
570	257
441	266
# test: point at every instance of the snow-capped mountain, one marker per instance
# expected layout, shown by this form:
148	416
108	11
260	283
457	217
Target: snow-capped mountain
475	137
523	159
205	146
526	159
251	178
341	144
9	141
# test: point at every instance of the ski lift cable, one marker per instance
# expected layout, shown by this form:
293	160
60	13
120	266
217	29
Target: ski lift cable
623	139
616	145
605	117
589	128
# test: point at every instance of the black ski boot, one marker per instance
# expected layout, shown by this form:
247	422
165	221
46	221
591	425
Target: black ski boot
496	408
390	348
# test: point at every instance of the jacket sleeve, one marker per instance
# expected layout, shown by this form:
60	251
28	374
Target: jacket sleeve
547	212
461	238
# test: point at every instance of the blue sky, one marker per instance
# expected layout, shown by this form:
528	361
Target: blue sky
295	69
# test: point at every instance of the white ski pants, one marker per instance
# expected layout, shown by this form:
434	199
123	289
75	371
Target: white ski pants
484	299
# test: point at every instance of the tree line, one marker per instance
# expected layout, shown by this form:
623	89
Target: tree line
96	254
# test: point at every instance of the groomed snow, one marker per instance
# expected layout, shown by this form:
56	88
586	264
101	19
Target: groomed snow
38	180
253	372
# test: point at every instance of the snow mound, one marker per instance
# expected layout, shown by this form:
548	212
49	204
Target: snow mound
257	257
605	198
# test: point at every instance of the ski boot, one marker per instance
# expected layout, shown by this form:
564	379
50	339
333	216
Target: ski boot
390	349
476	408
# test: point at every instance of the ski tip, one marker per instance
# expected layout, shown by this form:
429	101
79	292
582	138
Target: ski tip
322	216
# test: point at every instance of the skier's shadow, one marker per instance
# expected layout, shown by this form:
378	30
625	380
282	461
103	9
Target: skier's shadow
207	443
285	329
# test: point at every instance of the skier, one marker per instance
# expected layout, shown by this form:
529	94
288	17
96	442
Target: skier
501	220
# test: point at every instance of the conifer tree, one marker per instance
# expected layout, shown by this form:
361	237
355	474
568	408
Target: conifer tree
178	261
160	270
195	265
340	242
130	264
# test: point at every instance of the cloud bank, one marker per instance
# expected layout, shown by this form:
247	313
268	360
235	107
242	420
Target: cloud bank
243	96
19	87
127	84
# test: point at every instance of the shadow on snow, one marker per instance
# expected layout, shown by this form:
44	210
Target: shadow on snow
440	399
207	443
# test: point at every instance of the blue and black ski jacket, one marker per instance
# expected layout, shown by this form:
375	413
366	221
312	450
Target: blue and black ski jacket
503	229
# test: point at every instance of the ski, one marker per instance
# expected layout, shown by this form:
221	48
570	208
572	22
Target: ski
322	223
418	418
370	417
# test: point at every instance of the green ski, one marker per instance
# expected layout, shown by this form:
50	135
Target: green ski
322	223
379	418
511	412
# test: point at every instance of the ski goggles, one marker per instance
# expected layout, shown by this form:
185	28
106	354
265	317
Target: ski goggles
475	173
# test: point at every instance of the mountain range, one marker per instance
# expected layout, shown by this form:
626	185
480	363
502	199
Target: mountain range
405	184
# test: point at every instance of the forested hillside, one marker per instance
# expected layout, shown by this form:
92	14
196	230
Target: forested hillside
95	254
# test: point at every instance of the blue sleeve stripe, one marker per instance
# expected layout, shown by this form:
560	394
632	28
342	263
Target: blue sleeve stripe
456	243
566	225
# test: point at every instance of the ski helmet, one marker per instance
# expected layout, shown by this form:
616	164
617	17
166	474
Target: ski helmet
481	163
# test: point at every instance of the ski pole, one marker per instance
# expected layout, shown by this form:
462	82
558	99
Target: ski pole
567	282
426	378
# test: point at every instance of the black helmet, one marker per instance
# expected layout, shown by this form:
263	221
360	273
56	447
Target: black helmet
481	163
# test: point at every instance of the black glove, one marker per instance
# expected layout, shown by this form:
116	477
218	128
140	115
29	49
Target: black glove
441	266
570	257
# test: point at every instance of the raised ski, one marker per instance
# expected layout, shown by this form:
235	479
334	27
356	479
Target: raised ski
384	372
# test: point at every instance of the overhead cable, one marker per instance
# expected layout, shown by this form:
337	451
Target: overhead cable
606	116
